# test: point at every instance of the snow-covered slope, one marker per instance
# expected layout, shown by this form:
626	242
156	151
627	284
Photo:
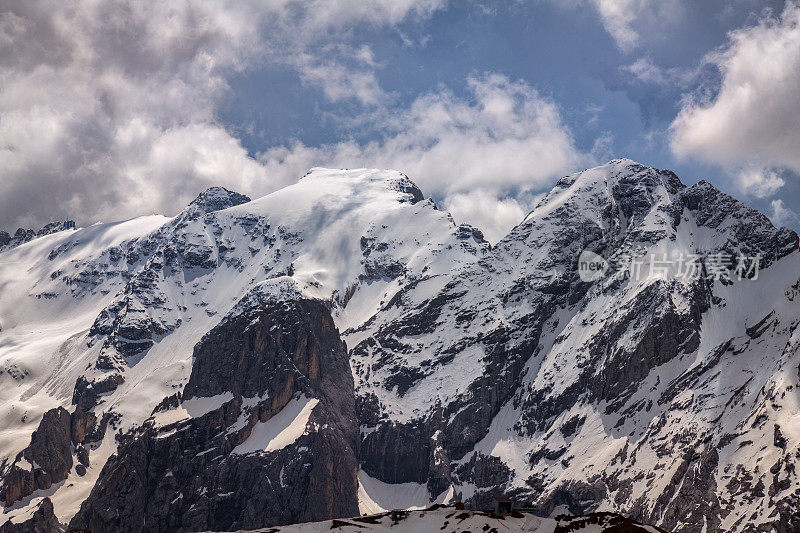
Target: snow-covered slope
475	370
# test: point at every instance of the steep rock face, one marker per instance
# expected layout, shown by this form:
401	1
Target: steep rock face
265	434
46	460
495	314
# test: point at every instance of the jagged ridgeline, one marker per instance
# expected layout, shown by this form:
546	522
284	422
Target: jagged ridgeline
342	347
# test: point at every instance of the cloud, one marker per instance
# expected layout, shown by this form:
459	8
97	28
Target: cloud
505	135
109	108
341	81
759	182
483	209
474	153
644	70
782	215
108	111
309	18
754	118
618	17
310	36
93	91
624	20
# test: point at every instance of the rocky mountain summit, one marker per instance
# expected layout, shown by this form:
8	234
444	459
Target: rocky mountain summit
22	235
342	347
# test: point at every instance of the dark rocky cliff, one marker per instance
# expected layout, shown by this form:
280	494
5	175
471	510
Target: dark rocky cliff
187	476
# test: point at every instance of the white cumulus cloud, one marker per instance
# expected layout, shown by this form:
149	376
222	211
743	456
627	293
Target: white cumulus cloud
475	153
759	182
754	119
782	215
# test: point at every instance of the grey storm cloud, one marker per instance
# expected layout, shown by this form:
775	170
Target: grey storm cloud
99	99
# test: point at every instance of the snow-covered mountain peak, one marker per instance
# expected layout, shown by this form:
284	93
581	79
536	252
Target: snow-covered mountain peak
602	207
624	205
360	180
629	188
358	235
210	200
622	172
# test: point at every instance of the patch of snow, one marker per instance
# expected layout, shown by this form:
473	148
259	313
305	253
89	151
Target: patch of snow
376	496
281	430
191	408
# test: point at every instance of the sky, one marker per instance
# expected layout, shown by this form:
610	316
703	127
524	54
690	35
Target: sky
111	110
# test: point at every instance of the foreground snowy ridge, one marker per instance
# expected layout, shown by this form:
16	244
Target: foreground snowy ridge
448	519
344	338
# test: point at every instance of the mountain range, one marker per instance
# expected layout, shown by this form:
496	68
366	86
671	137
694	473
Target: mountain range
341	346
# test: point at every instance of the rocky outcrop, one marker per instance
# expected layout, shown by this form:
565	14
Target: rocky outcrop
22	235
43	520
60	438
210	200
45	461
205	471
